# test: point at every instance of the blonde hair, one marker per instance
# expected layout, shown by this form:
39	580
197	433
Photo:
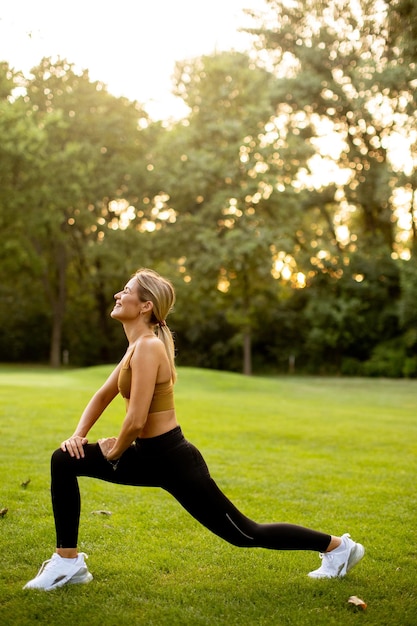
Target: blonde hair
158	290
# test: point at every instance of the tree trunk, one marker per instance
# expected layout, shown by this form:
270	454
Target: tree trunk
59	309
247	352
56	340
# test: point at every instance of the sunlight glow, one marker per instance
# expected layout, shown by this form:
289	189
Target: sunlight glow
223	284
285	268
125	214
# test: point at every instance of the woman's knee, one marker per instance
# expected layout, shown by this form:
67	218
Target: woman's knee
59	459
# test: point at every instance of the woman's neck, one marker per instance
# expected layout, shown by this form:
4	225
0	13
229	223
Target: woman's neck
136	331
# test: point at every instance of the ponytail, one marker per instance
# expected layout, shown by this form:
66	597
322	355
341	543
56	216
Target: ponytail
160	292
164	334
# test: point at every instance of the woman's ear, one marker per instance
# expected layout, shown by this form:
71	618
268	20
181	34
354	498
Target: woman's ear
147	306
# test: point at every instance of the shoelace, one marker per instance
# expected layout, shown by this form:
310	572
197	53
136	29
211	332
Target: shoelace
326	559
49	562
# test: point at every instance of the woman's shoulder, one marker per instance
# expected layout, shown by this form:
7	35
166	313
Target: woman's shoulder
149	358
149	345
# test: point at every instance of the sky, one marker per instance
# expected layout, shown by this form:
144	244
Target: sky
130	45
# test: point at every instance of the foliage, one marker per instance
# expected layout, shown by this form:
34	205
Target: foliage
75	159
386	360
359	93
278	206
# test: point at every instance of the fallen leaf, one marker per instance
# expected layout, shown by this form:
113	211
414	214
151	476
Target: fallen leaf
3	512
357	602
101	512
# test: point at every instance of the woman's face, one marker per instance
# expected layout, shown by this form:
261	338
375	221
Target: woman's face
127	306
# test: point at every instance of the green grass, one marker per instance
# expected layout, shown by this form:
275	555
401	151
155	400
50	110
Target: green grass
336	454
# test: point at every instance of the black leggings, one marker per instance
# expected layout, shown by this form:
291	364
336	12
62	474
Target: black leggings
171	462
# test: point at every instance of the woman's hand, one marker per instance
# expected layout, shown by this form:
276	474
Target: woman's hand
106	445
74	446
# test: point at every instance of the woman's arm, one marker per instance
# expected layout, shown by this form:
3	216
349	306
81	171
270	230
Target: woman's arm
100	400
144	364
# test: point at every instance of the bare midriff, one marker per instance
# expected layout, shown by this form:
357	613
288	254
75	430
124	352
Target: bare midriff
159	423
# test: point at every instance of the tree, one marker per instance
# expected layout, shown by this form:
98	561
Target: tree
337	74
21	141
344	72
222	184
89	140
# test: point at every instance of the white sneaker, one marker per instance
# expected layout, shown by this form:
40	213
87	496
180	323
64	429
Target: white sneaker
338	562
58	571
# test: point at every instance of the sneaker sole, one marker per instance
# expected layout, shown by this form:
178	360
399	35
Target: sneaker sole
356	555
80	580
86	578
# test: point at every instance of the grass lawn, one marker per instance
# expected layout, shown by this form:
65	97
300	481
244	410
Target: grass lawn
335	454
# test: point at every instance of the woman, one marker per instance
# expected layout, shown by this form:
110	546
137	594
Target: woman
151	450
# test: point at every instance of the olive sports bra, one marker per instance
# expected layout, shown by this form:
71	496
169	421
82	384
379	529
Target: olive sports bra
163	395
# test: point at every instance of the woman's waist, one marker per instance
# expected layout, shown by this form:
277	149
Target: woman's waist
158	424
152	440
